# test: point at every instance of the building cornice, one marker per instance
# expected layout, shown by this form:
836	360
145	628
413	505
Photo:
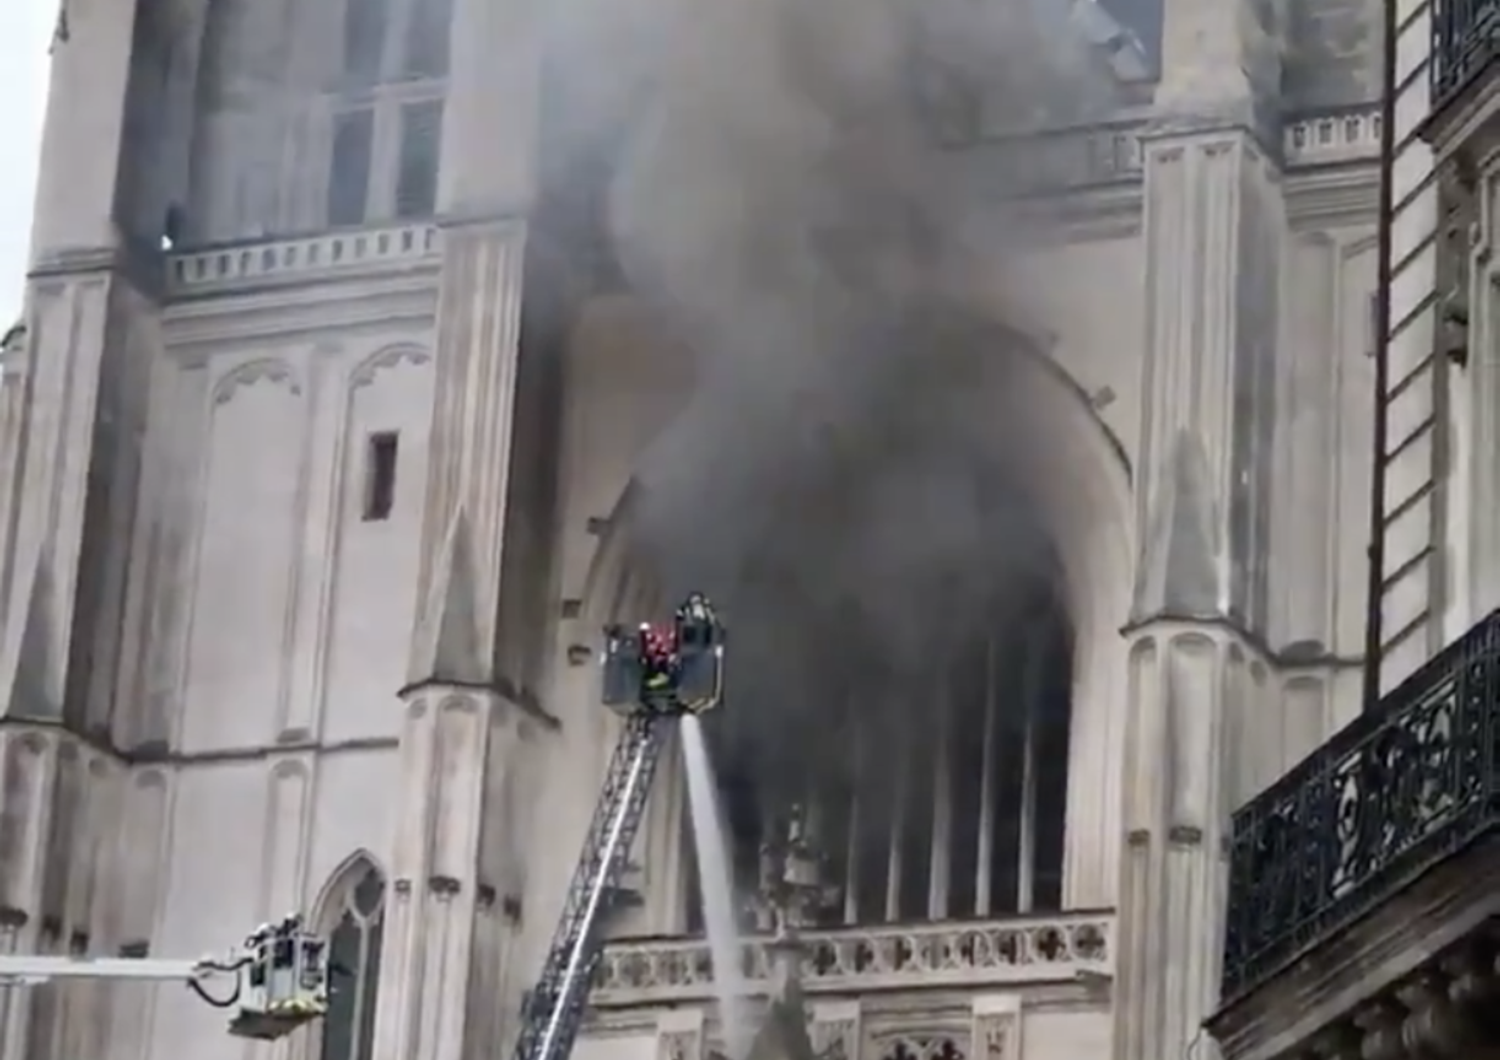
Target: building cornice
196	328
1333	195
142	268
1086	179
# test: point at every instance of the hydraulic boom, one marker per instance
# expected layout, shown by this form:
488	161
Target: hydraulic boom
652	675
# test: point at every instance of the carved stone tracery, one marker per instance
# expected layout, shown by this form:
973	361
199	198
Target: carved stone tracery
871	958
920	1047
836	1039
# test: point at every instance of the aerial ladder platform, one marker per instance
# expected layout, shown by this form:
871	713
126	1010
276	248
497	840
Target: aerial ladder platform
278	980
653	675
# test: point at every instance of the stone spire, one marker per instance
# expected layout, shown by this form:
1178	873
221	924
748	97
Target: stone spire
782	1034
790	890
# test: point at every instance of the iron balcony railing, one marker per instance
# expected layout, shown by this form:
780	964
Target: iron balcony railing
1465	37
1395	793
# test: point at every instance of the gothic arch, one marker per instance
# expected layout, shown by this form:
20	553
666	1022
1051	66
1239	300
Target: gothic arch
350	911
1076	475
348	872
1077	468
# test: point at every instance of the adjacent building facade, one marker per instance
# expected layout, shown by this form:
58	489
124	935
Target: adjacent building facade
1361	913
315	472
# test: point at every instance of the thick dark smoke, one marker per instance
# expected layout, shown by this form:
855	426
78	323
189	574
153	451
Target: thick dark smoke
778	193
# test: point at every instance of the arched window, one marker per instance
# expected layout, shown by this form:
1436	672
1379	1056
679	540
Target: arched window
940	794
386	110
353	916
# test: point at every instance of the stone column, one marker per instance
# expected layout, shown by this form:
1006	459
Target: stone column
77	382
487	165
1213	243
473	410
75	411
449	987
83	140
1213	239
444	992
440	960
75	450
1192	689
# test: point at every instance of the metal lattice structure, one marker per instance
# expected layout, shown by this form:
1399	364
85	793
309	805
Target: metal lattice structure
1398	791
554	1008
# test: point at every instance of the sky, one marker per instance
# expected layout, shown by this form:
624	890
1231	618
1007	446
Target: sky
25	33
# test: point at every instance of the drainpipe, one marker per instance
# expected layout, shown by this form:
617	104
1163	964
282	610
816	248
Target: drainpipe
1382	328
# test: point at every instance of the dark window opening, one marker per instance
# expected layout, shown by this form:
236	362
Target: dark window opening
421	140
427	40
349	169
355	942
380	476
365	23
933	799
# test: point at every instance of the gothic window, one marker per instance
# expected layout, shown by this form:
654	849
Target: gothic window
426	53
349	171
354	918
380	476
416	175
386	105
944	799
1143	18
365	25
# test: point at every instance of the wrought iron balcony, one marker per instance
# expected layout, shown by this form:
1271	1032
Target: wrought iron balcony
1391	796
1465	37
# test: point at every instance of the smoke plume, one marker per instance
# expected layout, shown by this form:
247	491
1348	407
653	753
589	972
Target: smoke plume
777	192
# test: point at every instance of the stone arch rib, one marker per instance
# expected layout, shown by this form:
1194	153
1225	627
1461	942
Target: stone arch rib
344	877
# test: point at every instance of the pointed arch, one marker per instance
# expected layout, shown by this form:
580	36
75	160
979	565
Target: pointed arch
353	865
1058	461
350	912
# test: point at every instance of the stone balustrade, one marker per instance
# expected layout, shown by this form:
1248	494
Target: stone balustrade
1012	951
300	259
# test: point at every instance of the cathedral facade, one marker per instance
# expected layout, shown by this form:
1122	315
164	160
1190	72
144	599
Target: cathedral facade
315	493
